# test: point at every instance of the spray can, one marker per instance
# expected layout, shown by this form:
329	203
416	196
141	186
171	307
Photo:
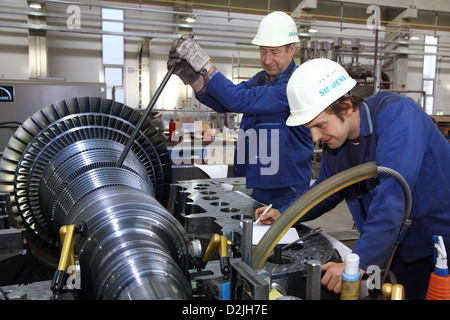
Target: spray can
439	285
351	278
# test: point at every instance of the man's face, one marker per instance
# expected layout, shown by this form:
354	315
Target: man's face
276	59
330	129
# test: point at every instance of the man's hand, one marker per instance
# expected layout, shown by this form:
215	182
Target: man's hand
332	278
269	217
183	70
188	49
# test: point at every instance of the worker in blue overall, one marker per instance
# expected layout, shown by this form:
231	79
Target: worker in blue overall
393	132
274	158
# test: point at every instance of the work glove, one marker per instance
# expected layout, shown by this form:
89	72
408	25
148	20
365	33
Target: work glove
183	70
190	51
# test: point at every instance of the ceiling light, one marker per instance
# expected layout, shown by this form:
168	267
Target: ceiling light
35	6
312	30
190	19
414	38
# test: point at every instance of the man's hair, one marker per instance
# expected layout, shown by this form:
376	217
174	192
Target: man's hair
342	104
287	46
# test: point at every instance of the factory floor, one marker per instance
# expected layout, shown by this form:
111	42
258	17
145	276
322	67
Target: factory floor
338	223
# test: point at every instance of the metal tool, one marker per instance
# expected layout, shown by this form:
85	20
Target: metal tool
312	232
276	255
145	115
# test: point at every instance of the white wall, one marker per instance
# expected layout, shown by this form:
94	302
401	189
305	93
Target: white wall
14	44
443	86
72	56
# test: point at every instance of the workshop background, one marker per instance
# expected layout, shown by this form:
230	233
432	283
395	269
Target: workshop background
124	44
117	51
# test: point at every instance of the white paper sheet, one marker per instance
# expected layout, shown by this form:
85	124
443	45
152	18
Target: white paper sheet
259	231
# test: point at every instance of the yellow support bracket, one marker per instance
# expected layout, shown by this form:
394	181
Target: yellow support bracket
68	235
217	241
221	242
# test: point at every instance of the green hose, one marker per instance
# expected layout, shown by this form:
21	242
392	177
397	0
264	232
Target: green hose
305	203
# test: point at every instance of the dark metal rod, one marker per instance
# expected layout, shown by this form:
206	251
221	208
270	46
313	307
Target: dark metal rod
376	66
145	115
313	231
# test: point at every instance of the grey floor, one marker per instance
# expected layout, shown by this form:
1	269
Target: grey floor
338	219
338	223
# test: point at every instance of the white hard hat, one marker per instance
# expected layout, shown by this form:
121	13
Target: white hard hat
275	30
313	86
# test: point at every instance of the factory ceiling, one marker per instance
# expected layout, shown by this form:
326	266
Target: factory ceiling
417	14
235	21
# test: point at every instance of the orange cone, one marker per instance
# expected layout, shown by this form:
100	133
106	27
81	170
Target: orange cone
438	288
439	285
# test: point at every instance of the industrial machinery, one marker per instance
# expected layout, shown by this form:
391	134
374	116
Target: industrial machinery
76	205
60	169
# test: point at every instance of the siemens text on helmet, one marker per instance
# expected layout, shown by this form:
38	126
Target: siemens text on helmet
335	83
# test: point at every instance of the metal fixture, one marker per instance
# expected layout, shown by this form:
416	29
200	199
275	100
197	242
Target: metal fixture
205	208
314	276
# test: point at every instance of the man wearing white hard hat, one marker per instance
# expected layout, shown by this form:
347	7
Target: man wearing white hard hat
262	101
394	132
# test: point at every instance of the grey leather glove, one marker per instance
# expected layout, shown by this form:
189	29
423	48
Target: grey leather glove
190	51
183	70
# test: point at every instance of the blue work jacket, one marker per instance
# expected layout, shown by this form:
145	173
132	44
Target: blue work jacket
265	109
394	133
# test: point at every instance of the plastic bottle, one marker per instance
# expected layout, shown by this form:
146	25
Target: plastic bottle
171	129
351	278
439	285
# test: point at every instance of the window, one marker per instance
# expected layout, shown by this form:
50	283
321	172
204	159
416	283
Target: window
113	54
113	76
429	72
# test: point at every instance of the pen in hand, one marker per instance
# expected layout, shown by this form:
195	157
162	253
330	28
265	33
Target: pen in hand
265	211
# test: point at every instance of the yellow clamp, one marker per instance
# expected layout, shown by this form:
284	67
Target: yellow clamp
68	237
222	243
217	241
